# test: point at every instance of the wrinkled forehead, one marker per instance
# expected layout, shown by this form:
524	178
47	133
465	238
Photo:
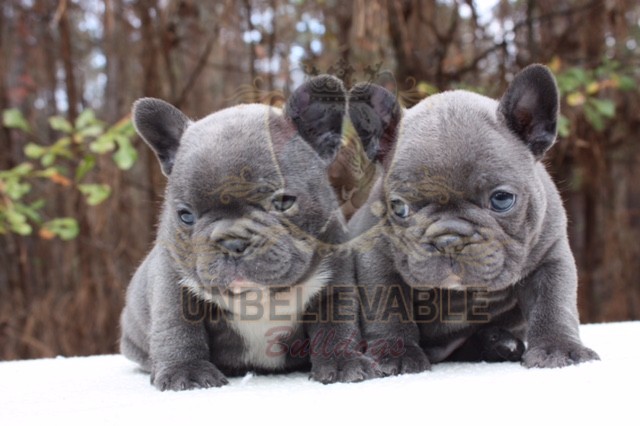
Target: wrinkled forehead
239	151
228	141
458	142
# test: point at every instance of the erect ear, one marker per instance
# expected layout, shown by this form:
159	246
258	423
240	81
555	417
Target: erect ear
317	111
375	114
161	125
530	107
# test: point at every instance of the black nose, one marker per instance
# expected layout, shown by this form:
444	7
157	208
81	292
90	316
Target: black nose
449	243
234	245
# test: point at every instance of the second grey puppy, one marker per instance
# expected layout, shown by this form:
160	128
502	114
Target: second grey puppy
466	231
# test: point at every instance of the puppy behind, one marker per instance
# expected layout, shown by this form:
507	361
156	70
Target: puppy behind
468	228
243	271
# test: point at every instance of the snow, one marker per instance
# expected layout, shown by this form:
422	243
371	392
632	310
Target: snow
110	390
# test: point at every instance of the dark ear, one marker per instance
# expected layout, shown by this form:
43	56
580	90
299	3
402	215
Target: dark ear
317	110
375	114
530	107
161	125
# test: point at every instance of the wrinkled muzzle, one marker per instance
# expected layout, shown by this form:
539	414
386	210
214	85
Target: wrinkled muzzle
238	255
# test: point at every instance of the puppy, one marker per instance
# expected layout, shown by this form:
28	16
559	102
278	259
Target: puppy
463	240
243	273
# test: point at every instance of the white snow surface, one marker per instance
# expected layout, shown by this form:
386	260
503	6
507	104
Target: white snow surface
111	390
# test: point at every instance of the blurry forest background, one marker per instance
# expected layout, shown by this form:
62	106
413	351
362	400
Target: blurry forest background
80	194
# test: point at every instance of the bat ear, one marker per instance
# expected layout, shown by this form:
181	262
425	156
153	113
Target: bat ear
317	110
161	126
530	108
375	114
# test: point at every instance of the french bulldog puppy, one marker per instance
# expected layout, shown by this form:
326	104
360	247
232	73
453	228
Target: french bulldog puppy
243	273
463	249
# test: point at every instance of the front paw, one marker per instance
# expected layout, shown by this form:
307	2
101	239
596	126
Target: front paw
411	360
345	370
558	355
187	375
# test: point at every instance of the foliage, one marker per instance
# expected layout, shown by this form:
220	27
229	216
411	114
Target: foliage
67	162
588	91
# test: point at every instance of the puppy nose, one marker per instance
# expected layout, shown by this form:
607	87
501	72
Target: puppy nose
449	243
234	245
449	235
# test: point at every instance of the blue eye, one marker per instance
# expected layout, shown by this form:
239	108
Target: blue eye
502	201
283	202
186	216
399	208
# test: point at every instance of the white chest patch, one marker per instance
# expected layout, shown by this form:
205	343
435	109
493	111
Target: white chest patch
264	318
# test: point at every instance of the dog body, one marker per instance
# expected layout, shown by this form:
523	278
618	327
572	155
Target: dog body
467	222
243	267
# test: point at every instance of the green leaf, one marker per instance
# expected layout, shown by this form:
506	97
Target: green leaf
38	204
571	80
18	222
103	144
22	228
61	148
86	165
575	99
16	189
46	173
427	89
626	83
61	124
14	216
34	151
66	228
126	155
594	117
606	107
48	159
91	131
29	211
22	169
85	119
126	129
95	193
13	119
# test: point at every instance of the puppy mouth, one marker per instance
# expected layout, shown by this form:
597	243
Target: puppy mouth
240	286
452	282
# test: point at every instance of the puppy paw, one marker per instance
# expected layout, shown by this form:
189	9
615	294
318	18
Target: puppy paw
413	360
187	375
554	356
344	370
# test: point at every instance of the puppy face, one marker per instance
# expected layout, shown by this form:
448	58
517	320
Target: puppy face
462	193
248	198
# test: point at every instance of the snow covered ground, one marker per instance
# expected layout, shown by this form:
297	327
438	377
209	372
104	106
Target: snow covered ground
110	390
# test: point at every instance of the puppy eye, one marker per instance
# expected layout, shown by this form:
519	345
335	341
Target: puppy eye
502	201
283	202
186	216
399	208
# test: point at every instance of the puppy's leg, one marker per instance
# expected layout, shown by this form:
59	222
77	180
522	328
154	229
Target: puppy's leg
178	347
337	348
387	322
548	301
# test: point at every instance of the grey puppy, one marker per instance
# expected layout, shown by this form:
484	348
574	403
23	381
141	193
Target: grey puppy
243	273
463	239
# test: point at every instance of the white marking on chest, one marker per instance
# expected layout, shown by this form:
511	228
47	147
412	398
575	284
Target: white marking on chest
264	318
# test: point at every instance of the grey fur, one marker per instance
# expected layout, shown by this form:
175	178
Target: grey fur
453	151
228	172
